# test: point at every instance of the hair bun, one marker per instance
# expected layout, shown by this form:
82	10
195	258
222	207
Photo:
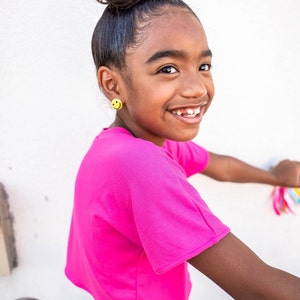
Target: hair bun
119	4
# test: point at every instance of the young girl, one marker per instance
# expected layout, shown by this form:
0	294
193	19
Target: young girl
137	221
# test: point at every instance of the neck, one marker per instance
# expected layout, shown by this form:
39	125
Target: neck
136	132
118	122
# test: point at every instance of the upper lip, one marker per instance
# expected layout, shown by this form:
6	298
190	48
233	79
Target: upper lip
189	104
186	105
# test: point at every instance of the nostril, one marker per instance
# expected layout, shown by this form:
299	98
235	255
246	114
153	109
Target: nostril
193	86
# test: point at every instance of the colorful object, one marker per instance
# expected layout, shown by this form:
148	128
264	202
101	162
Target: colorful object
282	198
116	104
295	194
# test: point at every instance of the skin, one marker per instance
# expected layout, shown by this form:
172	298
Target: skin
238	271
169	71
286	173
162	76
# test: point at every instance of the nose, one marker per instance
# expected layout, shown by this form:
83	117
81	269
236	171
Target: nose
194	85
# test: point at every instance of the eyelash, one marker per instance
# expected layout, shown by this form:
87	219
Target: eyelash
167	69
208	66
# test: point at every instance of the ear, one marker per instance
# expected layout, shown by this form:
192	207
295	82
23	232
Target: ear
108	81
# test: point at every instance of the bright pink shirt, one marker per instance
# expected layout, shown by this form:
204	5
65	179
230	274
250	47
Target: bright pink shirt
137	220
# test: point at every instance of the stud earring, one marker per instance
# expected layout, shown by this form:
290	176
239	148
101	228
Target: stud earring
116	104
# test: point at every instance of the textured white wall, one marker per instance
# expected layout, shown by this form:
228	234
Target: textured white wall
50	110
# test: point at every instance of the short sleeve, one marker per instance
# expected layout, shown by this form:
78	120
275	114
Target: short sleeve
192	157
173	223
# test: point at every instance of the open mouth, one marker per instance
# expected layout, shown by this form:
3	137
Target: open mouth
191	115
187	112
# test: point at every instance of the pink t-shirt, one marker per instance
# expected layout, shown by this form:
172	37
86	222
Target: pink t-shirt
137	220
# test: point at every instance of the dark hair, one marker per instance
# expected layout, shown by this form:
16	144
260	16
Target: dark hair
118	28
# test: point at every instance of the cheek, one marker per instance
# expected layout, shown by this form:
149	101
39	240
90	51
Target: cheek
147	98
209	83
210	91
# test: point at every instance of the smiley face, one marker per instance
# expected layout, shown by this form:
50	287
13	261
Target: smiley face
116	104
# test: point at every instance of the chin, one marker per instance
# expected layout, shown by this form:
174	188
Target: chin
185	136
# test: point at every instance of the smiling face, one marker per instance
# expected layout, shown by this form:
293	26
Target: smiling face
167	85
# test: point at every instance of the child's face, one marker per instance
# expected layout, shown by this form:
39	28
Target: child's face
170	86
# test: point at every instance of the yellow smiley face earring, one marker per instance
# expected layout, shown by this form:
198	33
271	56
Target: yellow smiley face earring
116	103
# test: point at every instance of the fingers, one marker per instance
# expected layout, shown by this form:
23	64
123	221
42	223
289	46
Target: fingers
288	173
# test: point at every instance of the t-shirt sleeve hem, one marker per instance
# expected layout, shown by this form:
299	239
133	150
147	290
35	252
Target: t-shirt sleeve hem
199	167
197	250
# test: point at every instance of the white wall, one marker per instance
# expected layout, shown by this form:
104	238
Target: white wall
50	110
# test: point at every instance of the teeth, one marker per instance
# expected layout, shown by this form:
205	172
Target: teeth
177	112
189	112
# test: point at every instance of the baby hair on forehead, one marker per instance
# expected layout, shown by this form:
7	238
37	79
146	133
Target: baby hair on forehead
120	27
119	4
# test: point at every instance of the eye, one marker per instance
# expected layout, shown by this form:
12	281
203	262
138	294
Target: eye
168	70
205	67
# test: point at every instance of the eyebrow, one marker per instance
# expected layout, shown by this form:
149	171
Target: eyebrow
175	54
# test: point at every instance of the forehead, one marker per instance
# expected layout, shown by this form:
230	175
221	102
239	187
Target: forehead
173	28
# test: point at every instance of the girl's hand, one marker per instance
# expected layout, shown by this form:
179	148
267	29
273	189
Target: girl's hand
287	173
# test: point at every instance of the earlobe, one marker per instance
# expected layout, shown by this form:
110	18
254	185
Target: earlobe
108	82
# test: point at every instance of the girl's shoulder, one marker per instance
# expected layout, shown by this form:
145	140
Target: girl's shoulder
119	145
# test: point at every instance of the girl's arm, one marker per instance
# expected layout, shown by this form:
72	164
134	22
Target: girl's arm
238	271
227	168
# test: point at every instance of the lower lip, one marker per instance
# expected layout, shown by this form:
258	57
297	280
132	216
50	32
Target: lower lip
192	120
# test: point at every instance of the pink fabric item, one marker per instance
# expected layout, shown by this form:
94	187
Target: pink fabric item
136	219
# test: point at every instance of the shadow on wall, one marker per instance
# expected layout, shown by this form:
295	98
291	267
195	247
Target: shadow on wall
26	298
8	255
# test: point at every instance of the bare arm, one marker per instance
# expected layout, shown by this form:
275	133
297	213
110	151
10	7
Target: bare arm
227	168
238	271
